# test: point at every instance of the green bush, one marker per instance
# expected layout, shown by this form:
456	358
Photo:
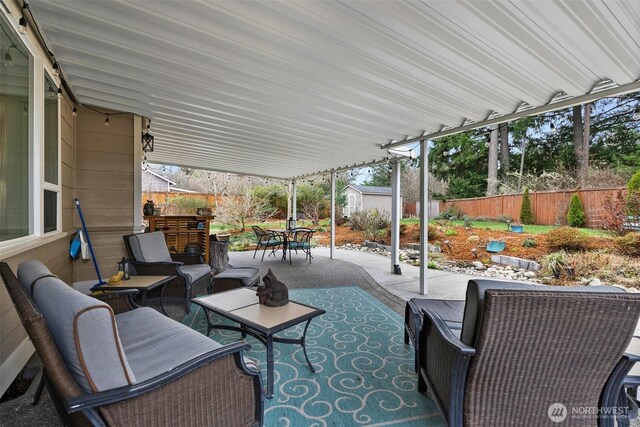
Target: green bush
450	232
186	205
452	212
575	216
529	243
504	218
526	212
370	222
432	232
629	244
634	183
568	239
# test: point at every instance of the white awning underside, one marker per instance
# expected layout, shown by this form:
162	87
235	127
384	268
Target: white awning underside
283	89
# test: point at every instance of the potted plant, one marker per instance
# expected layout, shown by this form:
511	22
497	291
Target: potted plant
516	227
556	262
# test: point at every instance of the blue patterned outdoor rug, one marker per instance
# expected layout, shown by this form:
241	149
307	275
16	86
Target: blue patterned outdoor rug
364	371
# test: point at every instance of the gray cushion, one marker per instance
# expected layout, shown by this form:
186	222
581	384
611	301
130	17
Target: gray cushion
84	331
248	275
155	344
195	271
149	247
29	272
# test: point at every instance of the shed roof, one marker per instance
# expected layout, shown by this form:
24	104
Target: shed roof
366	189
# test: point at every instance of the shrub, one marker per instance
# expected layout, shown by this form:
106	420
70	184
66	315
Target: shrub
529	243
186	204
370	221
634	183
504	218
629	244
526	212
467	222
432	232
450	232
615	211
433	266
575	216
567	238
555	262
452	212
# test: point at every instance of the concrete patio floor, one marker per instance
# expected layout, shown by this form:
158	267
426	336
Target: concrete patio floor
368	271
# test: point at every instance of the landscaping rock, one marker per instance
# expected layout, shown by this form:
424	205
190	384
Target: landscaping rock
473	239
515	262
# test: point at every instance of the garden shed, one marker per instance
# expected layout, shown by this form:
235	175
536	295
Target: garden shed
363	197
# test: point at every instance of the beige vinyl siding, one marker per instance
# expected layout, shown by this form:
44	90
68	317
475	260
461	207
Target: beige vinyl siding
382	203
104	187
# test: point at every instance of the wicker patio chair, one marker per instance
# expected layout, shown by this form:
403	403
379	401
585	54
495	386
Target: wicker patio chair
520	351
150	257
267	240
300	238
214	388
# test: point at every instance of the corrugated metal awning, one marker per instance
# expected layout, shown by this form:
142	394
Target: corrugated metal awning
283	89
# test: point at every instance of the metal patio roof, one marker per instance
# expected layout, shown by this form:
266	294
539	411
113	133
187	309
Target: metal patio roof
283	89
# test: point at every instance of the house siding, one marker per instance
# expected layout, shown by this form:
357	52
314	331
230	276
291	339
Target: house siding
15	348
104	186
97	167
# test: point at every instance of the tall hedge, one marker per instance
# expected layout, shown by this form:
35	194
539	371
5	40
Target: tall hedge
634	182
575	216
526	212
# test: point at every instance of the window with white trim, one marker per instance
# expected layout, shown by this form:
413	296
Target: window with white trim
15	176
30	173
51	184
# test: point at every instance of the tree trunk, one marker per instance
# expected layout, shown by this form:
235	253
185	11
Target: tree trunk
581	137
524	147
492	177
504	148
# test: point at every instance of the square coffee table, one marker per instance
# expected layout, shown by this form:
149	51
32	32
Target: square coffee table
259	321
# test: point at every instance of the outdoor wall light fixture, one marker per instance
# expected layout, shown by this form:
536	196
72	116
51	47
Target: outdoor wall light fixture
74	113
106	121
636	114
22	23
59	93
8	59
56	69
147	139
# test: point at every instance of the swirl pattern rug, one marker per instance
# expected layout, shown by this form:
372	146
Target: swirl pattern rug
364	371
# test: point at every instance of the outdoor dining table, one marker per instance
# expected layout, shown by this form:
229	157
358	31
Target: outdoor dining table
285	236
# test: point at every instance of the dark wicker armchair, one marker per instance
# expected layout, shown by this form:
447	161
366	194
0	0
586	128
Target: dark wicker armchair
149	256
520	351
214	388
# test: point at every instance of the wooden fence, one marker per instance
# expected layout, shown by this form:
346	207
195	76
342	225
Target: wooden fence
549	207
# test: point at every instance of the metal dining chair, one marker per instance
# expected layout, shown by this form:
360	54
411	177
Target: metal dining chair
300	238
266	240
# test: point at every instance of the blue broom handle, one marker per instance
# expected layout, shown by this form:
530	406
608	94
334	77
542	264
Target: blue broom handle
86	234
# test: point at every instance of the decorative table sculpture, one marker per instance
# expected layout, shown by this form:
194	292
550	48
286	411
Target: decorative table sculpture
274	293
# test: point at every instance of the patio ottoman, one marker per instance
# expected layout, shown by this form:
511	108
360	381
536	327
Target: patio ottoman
451	312
233	278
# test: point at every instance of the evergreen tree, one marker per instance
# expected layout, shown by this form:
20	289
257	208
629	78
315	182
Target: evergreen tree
575	216
526	212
